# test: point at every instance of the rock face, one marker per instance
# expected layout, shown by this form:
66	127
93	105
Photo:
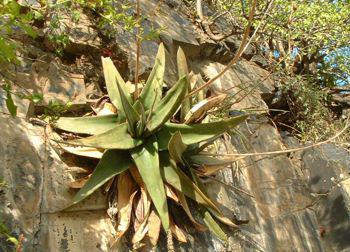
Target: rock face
37	188
293	202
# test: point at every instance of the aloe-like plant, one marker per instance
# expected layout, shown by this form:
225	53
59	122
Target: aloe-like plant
149	157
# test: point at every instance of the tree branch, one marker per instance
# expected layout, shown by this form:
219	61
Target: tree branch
244	45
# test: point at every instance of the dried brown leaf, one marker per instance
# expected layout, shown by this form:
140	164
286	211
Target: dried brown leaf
126	194
142	229
170	193
107	109
183	203
207	170
79	183
154	225
136	175
142	206
198	111
178	232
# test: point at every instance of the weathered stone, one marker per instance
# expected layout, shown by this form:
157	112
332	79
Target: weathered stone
328	169
175	28
37	189
175	25
242	80
278	214
50	79
83	38
25	108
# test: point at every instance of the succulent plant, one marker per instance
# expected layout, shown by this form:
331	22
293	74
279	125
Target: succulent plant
149	157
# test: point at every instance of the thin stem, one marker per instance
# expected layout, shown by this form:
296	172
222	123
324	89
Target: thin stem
138	45
281	151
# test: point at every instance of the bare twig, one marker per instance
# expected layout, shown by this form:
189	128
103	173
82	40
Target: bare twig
281	151
232	187
244	45
138	45
206	24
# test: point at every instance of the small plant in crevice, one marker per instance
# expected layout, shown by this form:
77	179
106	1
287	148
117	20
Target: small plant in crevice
311	115
150	152
54	110
7	240
22	94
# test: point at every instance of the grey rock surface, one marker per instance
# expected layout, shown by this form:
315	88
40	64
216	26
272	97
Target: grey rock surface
328	169
37	188
82	35
245	81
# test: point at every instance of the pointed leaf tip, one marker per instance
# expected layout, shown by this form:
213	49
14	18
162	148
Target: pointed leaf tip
112	163
152	92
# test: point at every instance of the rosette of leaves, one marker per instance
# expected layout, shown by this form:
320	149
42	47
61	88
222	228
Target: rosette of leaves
149	155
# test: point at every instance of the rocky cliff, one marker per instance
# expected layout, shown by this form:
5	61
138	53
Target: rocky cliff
293	202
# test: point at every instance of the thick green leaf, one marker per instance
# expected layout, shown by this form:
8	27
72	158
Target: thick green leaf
183	203
91	125
176	178
12	108
113	162
130	113
197	132
116	138
217	214
141	124
182	69
176	147
168	105
112	77
147	161
212	224
152	92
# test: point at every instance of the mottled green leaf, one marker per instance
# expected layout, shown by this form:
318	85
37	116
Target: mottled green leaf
212	224
112	77
168	105
141	124
29	30
91	125
113	162
147	161
179	180
218	214
152	92
130	113
116	138
197	132
182	69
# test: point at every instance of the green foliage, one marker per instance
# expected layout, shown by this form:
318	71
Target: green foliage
309	114
15	18
312	34
2	182
54	110
12	20
12	108
4	230
159	150
10	241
